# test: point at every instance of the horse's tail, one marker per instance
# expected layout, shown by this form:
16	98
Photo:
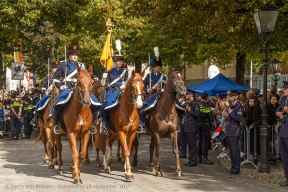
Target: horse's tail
90	143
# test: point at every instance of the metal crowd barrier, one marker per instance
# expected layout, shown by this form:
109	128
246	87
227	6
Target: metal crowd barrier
247	147
275	144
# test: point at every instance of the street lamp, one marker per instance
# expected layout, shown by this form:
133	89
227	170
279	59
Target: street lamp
275	66
265	20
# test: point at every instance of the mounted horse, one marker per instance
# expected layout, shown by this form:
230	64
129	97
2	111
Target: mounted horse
163	120
45	127
124	119
76	120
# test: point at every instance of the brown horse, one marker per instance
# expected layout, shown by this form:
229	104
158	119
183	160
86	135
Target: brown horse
77	118
45	131
125	120
164	121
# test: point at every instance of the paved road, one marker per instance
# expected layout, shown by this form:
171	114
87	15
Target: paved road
23	169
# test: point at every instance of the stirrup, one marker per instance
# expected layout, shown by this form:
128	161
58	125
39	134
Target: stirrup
33	122
144	130
93	130
103	130
139	129
56	130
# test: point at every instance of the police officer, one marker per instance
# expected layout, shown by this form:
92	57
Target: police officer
67	72
206	116
15	115
182	140
115	81
191	127
233	131
157	81
281	112
28	116
6	99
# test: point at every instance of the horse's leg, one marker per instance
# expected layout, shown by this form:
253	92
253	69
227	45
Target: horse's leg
130	139
82	154
125	147
152	146
118	152
44	141
158	153
59	149
55	153
86	159
103	149
50	147
135	145
112	138
173	138
75	156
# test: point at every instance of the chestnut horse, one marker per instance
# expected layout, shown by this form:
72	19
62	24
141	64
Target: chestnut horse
45	131
163	120
125	120
77	118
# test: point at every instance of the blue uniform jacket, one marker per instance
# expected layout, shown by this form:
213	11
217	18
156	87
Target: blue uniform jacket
233	128
60	73
45	83
191	125
284	127
112	75
154	79
180	108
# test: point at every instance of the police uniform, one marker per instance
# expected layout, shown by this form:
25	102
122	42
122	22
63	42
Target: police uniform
283	135
14	120
28	116
116	80
158	81
233	132
204	137
191	130
182	140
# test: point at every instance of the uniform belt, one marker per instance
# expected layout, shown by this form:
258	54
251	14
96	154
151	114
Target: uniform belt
72	80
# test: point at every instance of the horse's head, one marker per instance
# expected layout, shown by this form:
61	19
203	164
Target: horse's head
136	86
84	85
98	90
176	79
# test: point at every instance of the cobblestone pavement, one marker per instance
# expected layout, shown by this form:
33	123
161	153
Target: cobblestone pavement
23	169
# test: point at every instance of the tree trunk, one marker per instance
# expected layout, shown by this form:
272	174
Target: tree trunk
240	68
138	65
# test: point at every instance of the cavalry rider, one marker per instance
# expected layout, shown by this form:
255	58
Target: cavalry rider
67	72
157	81
46	88
35	93
115	81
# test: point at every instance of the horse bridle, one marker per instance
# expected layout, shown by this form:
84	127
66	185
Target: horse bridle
176	88
81	92
133	95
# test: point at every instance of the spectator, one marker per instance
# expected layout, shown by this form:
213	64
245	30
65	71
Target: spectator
252	118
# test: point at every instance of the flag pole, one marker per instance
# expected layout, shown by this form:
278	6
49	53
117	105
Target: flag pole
48	73
66	66
109	25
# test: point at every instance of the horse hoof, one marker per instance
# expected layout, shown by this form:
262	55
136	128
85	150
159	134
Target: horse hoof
159	174
179	173
77	181
47	161
51	167
129	177
98	165
60	171
107	170
118	159
134	163
152	169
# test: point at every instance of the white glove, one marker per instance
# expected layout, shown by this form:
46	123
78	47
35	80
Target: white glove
122	86
105	75
63	87
162	90
43	89
149	90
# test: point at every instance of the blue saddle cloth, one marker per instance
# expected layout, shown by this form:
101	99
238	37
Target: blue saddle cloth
35	102
43	102
151	102
65	96
111	100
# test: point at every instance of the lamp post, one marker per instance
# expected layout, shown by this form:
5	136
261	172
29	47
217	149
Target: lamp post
275	66
265	20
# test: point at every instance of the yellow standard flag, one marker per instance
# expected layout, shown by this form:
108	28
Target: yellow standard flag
107	54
